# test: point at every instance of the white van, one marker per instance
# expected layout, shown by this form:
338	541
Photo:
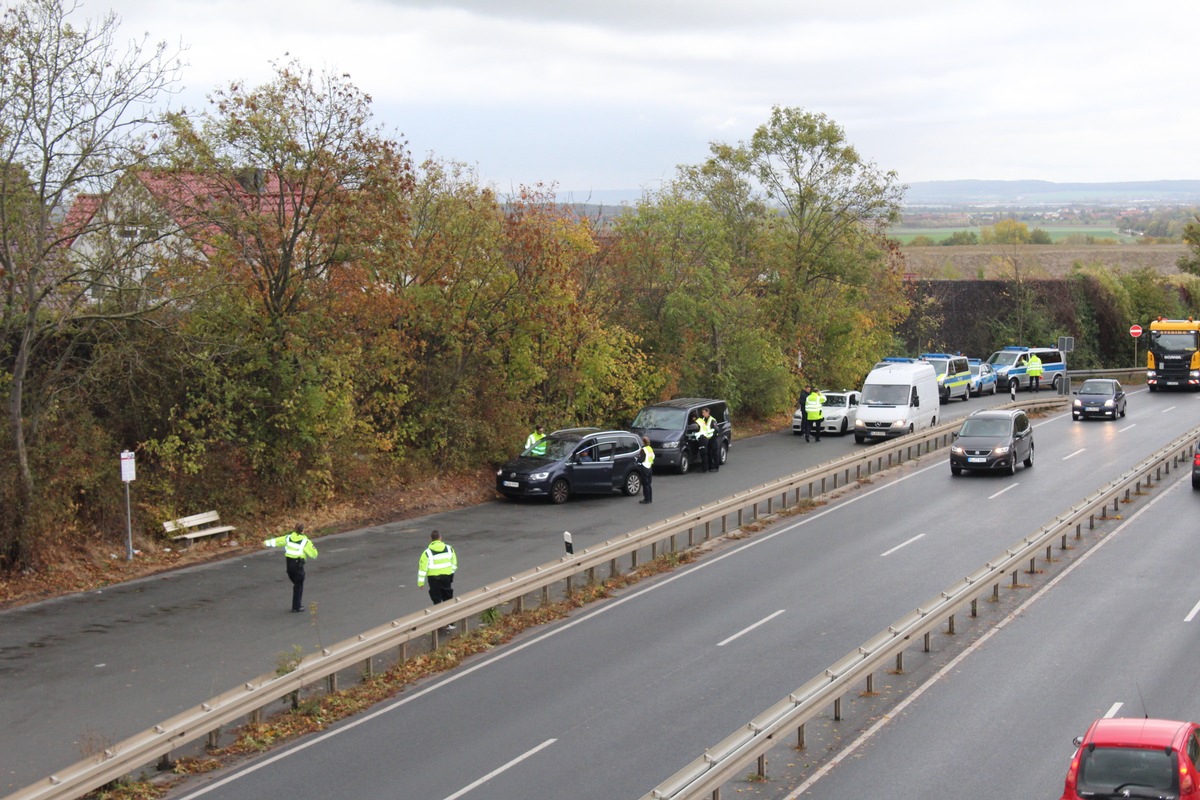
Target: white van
899	396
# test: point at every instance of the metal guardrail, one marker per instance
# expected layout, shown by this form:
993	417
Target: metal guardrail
729	759
247	701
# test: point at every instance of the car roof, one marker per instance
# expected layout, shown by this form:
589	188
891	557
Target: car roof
574	433
1134	732
996	413
685	402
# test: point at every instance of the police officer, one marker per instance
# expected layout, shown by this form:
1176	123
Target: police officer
813	413
296	548
802	404
1034	370
646	467
535	443
704	438
437	565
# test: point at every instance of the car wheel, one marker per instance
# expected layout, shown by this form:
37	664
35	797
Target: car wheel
1029	461
1195	483
1122	411
994	385
684	463
1012	464
1014	385
858	439
560	491
723	454
845	427
1057	383
955	470
633	483
967	394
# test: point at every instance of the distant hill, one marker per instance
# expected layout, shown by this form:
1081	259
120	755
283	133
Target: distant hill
1042	193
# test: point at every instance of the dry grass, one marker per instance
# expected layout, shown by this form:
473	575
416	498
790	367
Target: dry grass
971	262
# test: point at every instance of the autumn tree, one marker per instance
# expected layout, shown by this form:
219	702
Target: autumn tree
1190	262
75	111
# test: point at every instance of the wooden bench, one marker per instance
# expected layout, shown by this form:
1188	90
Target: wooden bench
182	528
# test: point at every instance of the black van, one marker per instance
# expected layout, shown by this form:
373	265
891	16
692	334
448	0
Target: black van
671	428
575	461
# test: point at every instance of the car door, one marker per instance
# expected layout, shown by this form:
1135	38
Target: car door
1023	437
590	472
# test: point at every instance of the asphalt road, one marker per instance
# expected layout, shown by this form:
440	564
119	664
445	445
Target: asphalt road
615	700
85	671
1115	636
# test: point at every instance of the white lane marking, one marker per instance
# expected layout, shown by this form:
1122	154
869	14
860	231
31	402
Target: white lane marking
953	664
1168	408
1072	455
1112	712
762	621
1127	427
497	771
1192	614
902	544
1005	489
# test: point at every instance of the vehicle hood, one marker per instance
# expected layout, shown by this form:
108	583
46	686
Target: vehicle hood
526	464
982	442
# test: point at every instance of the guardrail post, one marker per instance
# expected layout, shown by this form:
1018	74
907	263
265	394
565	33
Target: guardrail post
928	637
653	551
801	742
213	739
900	663
975	607
368	669
1014	585
950	627
613	569
570	587
673	543
837	709
591	575
331	683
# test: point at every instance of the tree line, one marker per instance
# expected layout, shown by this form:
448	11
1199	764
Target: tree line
275	306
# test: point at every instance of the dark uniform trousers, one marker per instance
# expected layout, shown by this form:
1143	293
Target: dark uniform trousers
441	587
295	573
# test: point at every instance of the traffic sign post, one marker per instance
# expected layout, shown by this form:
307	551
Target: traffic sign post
128	475
1135	331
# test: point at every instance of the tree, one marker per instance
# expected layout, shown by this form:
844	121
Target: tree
1190	262
1006	231
961	238
1039	236
74	115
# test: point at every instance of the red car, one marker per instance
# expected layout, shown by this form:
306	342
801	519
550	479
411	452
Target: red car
1127	757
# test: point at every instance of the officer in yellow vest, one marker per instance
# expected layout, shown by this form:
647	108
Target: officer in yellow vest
813	413
535	443
437	565
1034	370
646	467
704	440
296	548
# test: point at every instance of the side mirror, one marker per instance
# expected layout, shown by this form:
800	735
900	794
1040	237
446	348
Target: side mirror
954	435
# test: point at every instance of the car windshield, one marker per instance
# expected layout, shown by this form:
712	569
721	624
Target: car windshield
939	364
885	394
556	448
836	400
1096	387
985	427
665	419
1005	358
1106	768
975	369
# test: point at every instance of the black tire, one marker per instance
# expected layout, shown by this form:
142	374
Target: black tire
858	439
955	470
967	394
684	462
1122	411
722	454
1056	383
633	483
560	491
1029	461
995	384
845	427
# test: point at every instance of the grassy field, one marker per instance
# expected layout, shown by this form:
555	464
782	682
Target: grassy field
1057	232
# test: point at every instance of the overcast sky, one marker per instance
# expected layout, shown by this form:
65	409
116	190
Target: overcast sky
614	94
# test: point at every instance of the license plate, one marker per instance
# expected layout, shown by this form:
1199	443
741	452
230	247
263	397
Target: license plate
877	433
977	460
512	484
1172	383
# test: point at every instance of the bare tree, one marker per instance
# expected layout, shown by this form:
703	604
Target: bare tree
76	112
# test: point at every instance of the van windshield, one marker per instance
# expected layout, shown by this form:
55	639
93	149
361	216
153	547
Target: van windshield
1005	358
885	394
663	419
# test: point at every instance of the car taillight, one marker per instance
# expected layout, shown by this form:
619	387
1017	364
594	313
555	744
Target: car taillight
1196	460
1072	771
1186	784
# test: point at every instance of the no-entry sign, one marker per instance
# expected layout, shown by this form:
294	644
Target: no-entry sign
1135	331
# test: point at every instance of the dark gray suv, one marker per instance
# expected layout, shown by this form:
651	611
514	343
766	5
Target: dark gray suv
671	428
994	439
575	461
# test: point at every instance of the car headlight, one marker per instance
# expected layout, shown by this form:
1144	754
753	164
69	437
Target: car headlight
1151	373
1078	403
1109	404
1000	451
858	423
1194	373
957	450
499	472
671	445
900	423
539	476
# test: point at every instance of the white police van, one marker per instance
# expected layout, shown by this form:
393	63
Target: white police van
1012	367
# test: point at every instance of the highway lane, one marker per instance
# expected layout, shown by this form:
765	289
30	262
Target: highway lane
614	701
85	671
1114	636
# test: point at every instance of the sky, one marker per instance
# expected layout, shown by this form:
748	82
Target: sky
615	95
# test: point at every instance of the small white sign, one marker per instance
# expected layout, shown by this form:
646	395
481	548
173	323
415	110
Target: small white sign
128	466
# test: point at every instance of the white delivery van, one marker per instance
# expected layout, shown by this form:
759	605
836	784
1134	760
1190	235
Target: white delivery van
899	396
